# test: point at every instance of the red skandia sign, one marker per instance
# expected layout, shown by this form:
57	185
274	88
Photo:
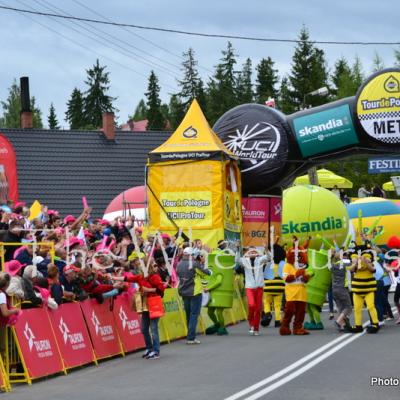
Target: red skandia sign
101	324
72	335
128	324
8	172
38	344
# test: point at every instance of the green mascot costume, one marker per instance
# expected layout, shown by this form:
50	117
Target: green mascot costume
220	287
317	287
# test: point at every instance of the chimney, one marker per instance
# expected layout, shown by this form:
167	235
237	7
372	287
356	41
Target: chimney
26	113
109	125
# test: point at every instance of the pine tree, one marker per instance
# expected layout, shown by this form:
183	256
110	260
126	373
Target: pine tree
308	72
342	80
285	102
397	58
176	111
96	100
52	118
140	111
267	79
74	114
154	114
221	87
244	86
377	63
36	114
357	73
191	86
12	109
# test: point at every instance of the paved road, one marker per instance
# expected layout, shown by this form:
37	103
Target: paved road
223	366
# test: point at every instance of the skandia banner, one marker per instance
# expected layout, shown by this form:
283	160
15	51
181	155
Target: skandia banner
8	172
38	344
378	106
72	335
325	131
258	135
100	322
310	211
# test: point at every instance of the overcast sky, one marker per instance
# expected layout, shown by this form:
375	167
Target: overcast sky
55	53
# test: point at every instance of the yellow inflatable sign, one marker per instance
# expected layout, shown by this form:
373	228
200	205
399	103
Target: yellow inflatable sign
378	107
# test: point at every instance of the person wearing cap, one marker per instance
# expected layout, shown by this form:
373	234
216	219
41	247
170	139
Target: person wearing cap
70	284
190	273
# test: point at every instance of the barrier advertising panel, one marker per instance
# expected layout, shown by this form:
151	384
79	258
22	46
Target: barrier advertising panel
38	344
127	322
101	324
72	335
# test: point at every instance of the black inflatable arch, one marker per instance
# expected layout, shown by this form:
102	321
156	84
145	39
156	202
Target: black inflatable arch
274	149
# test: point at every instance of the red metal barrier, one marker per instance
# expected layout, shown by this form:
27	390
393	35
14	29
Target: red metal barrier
72	335
101	324
128	324
37	343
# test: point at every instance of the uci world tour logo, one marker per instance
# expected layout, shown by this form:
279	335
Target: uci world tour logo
190	133
256	145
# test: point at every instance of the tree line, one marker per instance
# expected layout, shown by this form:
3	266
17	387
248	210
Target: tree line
229	85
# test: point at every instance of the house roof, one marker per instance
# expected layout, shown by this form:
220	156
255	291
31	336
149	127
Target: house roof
59	167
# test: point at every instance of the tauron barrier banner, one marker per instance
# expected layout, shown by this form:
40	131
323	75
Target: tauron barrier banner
38	344
255	212
259	214
127	322
378	106
101	324
327	130
72	335
258	135
8	172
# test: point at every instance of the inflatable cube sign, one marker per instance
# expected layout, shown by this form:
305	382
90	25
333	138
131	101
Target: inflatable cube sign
309	211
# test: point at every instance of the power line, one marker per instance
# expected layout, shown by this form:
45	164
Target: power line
137	35
114	41
209	35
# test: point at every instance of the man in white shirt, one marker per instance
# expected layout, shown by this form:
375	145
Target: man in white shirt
363	192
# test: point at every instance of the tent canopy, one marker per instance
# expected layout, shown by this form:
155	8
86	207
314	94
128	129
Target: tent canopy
326	179
192	140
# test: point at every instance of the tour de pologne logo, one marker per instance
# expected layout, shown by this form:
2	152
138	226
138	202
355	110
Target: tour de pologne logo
391	85
255	145
190	133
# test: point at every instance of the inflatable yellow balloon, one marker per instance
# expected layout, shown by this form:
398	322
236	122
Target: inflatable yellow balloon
312	211
380	216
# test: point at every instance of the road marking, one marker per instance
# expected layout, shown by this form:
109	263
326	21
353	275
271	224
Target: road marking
303	369
335	346
287	369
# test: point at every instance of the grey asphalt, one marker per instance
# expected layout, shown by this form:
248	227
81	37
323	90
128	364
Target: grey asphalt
222	366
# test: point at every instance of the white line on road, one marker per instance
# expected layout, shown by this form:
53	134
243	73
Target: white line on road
287	369
335	346
303	369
